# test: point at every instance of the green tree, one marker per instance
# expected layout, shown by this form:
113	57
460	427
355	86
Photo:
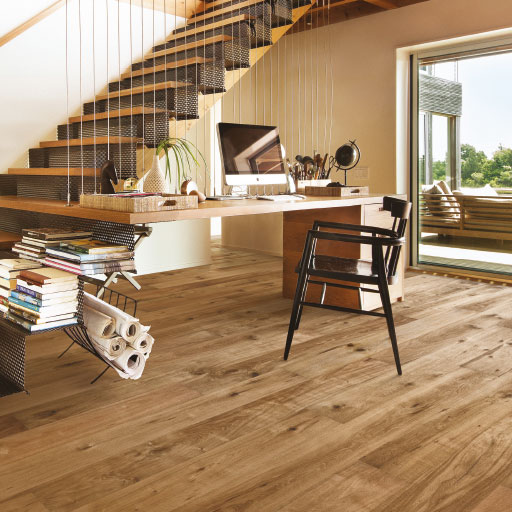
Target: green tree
473	163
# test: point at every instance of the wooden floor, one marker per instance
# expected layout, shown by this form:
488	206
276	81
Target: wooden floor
219	422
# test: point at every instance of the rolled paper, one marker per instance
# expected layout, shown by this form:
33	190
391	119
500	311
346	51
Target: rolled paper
130	364
111	347
143	343
126	325
98	324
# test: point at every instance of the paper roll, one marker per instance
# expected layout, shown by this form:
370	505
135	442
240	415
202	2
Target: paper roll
143	343
126	325
130	364
98	324
111	347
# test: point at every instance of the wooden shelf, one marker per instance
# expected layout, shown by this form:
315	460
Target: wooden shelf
88	141
211	26
7	240
189	46
139	90
54	171
206	210
170	65
112	114
224	10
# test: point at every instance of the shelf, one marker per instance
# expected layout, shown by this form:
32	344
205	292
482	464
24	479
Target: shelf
54	171
206	210
7	240
112	114
88	141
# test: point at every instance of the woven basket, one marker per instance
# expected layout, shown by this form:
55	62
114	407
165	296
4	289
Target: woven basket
162	202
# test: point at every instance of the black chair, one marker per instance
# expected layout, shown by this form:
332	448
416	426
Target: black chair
381	270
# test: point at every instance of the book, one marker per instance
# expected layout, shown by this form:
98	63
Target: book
3	308
103	265
55	233
44	276
42	311
4	292
94	247
66	294
29	248
82	257
4	301
40	320
67	297
17	264
28	255
38	327
26	287
10	284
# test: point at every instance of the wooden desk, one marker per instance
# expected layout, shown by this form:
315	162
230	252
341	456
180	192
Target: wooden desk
298	217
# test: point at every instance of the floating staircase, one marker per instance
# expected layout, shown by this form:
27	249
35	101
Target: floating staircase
179	80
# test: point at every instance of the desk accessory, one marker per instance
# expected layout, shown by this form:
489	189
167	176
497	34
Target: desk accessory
190	188
138	203
108	176
335	191
346	158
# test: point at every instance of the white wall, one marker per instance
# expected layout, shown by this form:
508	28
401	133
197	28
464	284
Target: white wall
362	56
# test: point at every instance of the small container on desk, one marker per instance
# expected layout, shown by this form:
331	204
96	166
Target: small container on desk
302	184
337	191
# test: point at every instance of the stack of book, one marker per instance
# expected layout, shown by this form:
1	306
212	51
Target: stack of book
9	270
35	241
90	257
44	298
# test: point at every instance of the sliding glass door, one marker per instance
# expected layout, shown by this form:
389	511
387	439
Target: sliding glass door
462	159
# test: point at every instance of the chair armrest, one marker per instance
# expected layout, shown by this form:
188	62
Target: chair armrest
354	227
357	239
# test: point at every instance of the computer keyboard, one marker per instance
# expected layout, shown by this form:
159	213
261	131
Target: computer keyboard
282	197
223	198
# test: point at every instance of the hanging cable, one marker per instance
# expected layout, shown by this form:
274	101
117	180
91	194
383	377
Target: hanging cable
326	148
81	111
119	88
314	147
332	79
206	192
67	105
239	71
131	75
94	89
108	92
154	82
143	107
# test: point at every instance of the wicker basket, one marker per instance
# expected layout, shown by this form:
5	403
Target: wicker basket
336	191
162	202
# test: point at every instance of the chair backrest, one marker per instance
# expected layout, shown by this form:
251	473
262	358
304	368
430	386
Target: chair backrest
400	210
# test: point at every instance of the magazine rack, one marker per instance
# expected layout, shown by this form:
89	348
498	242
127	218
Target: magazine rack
78	333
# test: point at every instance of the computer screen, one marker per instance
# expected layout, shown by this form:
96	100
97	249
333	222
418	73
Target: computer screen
251	154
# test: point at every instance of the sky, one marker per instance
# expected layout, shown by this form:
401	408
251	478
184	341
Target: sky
486	103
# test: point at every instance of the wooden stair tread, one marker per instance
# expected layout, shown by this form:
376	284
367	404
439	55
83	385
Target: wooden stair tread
88	141
208	41
224	10
53	171
170	65
146	88
211	26
111	114
7	240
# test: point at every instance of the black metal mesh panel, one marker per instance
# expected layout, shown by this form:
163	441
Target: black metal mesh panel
37	157
8	185
16	220
162	99
12	358
127	165
55	187
103	127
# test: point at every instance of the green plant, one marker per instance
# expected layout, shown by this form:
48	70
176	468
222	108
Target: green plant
183	151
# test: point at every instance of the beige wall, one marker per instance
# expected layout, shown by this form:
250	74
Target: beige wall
362	55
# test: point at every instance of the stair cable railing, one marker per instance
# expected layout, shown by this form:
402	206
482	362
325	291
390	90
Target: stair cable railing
94	93
143	170
131	73
80	94
119	90
108	94
68	203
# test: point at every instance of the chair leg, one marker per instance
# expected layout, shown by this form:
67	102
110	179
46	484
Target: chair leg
386	304
296	312
301	307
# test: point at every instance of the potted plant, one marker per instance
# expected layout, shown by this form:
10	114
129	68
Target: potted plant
181	151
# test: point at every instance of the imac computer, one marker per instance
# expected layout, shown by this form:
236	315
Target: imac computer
251	155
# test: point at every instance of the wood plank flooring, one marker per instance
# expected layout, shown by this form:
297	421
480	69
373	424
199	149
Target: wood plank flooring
219	422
